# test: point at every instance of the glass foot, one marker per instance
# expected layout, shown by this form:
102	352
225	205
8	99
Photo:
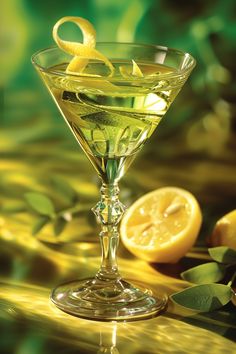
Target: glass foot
98	300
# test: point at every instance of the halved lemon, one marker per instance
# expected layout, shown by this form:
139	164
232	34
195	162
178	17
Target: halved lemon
162	225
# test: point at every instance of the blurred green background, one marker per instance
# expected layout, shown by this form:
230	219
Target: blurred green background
194	147
206	29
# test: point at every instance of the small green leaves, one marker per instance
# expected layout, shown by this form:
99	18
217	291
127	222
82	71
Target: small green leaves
209	296
44	206
223	254
205	273
205	297
64	189
40	203
39	224
59	225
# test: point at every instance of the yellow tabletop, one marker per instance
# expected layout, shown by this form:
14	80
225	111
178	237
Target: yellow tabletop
31	265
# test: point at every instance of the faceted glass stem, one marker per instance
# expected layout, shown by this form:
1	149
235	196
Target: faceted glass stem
107	296
109	211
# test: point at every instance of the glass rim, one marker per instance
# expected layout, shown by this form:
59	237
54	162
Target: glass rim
177	73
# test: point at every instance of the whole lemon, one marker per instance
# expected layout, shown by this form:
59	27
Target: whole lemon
224	232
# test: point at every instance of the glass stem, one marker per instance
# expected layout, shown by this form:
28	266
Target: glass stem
109	211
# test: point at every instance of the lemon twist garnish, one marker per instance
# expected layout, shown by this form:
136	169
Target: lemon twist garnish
82	52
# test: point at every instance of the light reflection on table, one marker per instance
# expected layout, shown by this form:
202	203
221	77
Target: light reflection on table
27	306
30	266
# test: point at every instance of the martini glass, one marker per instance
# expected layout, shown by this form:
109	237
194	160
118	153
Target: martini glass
112	117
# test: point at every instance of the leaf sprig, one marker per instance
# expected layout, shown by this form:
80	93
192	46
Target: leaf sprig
46	211
208	296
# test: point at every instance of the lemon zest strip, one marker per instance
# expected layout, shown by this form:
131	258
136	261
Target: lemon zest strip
82	52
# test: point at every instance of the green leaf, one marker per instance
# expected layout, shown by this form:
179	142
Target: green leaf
40	203
204	297
205	273
64	189
223	254
39	224
59	226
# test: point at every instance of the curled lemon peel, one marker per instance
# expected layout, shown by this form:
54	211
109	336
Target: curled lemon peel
82	52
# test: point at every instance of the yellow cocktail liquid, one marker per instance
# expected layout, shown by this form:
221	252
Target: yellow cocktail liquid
112	119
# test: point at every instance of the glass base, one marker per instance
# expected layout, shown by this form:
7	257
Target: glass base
98	300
